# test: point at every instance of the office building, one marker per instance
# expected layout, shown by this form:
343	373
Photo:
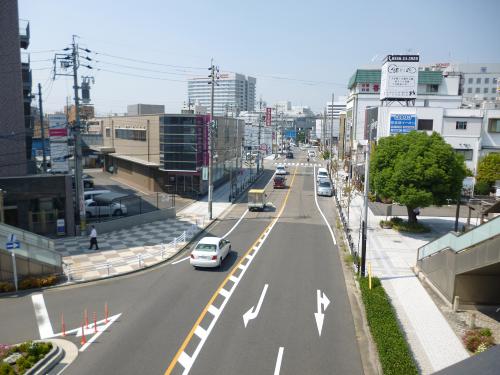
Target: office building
145	109
234	93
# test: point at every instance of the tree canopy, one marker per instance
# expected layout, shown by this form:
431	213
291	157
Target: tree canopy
488	170
416	170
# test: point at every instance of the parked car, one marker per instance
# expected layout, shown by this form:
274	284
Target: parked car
289	155
279	182
210	252
311	153
324	188
280	170
88	181
90	194
92	208
322	173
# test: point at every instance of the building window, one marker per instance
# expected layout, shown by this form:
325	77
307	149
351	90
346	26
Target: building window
108	132
468	154
494	80
478	81
478	90
494	125
461	125
471	80
365	87
485	90
469	90
432	88
483	69
425	124
131	134
486	81
493	90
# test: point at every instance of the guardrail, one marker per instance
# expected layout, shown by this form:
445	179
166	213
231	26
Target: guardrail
461	242
76	273
33	246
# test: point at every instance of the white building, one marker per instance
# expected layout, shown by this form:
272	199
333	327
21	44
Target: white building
233	93
251	139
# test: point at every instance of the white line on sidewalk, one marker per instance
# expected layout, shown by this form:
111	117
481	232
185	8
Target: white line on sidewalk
277	368
42	316
319	209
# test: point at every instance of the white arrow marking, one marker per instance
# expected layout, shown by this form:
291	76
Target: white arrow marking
254	311
323	303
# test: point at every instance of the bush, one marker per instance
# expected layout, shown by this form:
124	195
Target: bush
394	353
38	282
403	226
6	369
482	188
6	286
476	338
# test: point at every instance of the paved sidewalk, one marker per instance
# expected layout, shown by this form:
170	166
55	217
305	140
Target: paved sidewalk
126	250
392	255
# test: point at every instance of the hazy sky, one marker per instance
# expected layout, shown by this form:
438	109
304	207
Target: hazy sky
321	42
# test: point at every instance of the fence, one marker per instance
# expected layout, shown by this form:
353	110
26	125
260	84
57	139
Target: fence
77	273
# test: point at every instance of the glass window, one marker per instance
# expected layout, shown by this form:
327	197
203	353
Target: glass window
425	124
478	90
467	153
432	88
469	90
108	132
494	125
486	81
471	80
485	90
493	90
206	247
478	80
131	134
461	125
483	69
494	80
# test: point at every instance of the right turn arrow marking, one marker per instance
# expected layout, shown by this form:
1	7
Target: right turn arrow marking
322	302
254	311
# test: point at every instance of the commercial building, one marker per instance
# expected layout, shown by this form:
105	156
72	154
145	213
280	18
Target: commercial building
169	152
86	113
233	93
145	109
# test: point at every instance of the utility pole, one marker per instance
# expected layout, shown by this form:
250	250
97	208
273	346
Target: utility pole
42	129
364	225
258	135
331	133
78	141
323	129
211	132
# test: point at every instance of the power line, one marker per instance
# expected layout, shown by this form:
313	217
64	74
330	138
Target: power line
139	68
139	75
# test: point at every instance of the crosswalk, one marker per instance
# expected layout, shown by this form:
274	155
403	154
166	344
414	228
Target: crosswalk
298	164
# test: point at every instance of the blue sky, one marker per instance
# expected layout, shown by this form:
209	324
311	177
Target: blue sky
320	41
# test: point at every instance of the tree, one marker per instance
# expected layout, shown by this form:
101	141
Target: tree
416	170
488	171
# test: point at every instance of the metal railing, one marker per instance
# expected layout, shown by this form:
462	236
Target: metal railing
77	273
461	242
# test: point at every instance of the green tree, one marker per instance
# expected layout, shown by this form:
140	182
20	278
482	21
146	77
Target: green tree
416	170
301	136
488	170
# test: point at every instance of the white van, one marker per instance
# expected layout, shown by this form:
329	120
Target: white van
90	194
322	173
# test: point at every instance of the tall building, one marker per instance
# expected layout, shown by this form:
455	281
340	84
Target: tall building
233	93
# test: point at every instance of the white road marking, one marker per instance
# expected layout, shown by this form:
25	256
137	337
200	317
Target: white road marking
180	260
233	279
213	310
185	360
42	316
223	292
319	209
235	225
254	311
99	332
277	368
200	332
322	304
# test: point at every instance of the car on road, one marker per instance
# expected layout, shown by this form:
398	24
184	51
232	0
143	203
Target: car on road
93	209
256	199
311	153
324	188
279	182
280	170
210	252
322	173
289	155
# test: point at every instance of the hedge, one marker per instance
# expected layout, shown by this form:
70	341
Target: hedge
394	353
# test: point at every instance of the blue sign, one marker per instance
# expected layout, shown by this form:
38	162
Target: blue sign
13	245
290	134
402	123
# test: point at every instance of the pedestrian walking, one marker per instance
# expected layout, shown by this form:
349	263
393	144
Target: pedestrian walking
93	239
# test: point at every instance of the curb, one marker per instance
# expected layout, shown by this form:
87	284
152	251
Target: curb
48	362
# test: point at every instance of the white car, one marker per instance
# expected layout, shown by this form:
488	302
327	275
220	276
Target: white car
322	173
324	188
210	252
90	194
92	208
311	153
280	170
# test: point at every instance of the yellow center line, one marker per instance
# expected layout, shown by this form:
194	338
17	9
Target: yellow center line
224	282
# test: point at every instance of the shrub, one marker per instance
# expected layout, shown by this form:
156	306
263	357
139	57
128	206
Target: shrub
38	282
6	369
386	223
4	351
6	286
395	356
473	339
482	188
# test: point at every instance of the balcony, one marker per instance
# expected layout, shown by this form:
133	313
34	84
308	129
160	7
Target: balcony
24	33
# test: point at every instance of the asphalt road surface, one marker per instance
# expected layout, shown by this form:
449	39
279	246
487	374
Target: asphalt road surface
277	305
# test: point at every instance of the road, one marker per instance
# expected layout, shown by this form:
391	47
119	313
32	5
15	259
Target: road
284	275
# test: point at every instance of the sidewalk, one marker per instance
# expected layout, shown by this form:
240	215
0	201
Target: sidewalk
392	256
126	250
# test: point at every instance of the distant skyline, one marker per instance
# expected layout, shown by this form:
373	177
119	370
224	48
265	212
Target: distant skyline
299	52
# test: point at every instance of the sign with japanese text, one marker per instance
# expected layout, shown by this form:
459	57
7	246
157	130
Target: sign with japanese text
402	123
399	78
268	116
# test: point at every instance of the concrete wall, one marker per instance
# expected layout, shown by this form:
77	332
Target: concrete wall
480	289
131	221
25	267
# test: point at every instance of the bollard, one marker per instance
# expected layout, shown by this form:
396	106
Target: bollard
84	339
107	266
472	322
106	313
175	243
456	303
86	319
139	258
162	250
95	322
63	326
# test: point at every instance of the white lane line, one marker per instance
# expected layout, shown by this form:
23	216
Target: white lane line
234	279
235	225
277	368
99	333
42	316
180	260
319	209
242	267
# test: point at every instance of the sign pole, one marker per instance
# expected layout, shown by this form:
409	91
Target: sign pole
14	268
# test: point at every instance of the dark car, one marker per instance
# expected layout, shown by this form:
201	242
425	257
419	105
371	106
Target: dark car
279	182
289	155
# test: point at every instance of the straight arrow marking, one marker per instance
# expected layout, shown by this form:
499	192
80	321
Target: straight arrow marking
322	304
254	311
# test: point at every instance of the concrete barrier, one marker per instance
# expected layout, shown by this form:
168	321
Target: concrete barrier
131	221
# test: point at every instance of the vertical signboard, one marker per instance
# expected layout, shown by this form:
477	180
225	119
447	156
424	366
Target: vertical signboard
268	116
58	136
399	78
402	123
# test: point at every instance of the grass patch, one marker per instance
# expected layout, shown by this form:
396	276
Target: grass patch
394	353
403	226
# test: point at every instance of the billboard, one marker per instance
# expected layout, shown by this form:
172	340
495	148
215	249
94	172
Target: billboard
58	136
402	123
58	129
399	78
268	116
